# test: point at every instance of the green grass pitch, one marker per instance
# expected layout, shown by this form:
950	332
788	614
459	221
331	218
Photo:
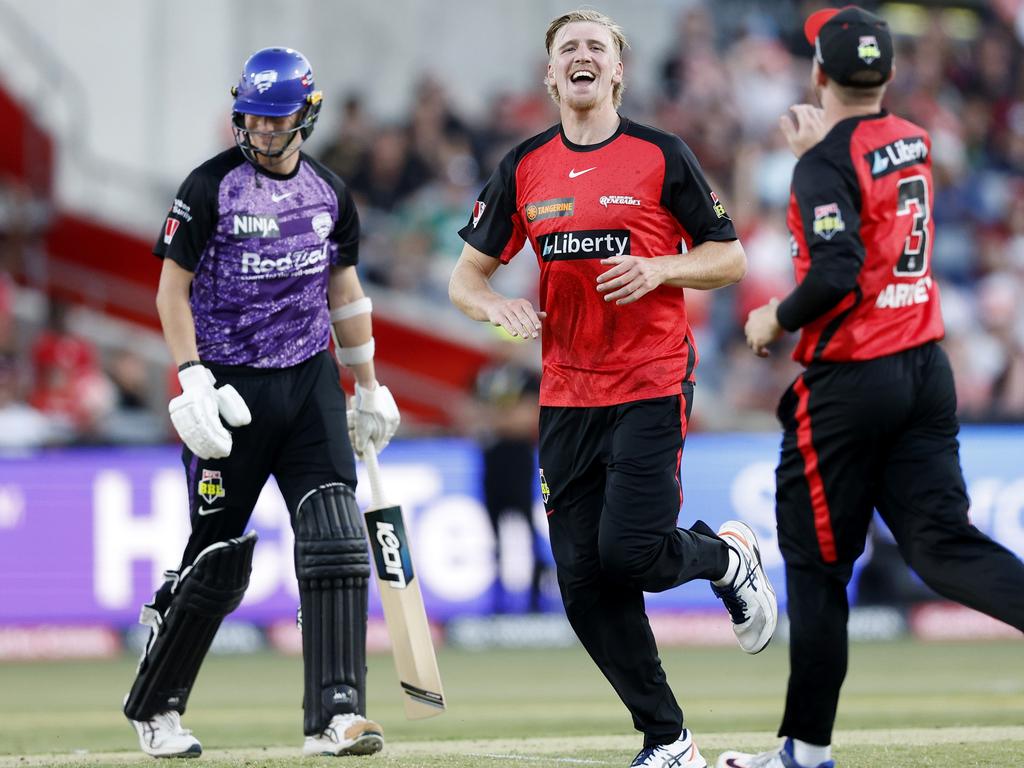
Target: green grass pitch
904	705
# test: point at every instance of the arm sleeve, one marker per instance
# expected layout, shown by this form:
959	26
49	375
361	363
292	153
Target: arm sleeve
494	227
689	198
345	235
190	222
829	202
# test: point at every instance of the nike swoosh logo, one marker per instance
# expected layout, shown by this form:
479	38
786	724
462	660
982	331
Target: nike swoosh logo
279	198
203	511
574	173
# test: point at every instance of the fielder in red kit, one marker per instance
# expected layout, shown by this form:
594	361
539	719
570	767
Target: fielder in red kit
871	423
607	206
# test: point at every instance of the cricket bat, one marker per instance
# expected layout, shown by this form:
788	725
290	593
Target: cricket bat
400	596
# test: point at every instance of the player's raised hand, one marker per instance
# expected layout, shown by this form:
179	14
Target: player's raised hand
803	126
629	278
516	316
763	327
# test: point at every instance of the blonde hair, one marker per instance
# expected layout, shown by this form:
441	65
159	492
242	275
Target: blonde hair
588	14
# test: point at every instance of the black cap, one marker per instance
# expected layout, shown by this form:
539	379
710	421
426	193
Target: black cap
852	46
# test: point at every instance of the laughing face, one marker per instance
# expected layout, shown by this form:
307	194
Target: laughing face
584	65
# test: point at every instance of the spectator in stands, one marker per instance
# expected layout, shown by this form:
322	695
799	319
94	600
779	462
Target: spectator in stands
131	419
21	425
68	384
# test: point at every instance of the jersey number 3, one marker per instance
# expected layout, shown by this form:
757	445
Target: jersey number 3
912	196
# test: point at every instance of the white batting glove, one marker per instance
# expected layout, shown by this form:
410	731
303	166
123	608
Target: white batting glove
197	411
373	417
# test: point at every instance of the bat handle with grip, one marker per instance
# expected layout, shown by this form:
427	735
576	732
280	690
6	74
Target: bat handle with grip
373	470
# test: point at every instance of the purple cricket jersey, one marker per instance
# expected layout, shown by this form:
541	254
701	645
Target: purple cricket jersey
260	246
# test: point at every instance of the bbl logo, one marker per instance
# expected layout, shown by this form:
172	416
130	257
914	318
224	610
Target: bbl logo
828	221
545	491
868	50
211	486
718	207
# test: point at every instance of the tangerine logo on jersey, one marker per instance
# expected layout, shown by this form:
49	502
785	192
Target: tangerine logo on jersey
583	244
550	209
828	220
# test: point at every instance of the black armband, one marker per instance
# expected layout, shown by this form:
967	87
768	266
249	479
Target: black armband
188	364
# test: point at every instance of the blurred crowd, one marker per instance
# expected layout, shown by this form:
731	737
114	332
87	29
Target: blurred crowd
732	70
57	386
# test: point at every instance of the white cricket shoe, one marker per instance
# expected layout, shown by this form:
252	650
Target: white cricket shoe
163	736
775	758
346	735
751	599
681	753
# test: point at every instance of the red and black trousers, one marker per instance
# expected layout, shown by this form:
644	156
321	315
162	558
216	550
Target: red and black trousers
860	436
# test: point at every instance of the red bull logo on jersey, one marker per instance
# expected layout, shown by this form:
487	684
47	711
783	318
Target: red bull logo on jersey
828	220
583	244
896	155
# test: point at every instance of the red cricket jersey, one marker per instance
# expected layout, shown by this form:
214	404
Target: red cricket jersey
640	192
861	203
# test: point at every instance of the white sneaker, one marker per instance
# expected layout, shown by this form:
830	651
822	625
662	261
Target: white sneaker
163	736
751	599
681	753
775	758
346	735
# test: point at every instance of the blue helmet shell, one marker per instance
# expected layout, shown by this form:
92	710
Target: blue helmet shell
275	82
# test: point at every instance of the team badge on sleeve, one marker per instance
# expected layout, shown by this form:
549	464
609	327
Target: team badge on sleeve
718	207
170	227
478	211
828	221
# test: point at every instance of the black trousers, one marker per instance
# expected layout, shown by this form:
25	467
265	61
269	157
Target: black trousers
610	480
880	434
298	434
